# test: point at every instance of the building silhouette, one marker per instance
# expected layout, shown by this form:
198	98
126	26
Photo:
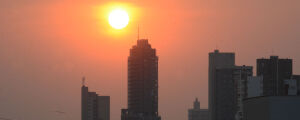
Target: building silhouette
226	94
235	94
274	94
221	86
240	78
196	113
142	83
93	106
274	72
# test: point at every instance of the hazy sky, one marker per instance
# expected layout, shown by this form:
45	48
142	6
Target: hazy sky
46	46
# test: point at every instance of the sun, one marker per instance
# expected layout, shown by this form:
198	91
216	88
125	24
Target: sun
118	18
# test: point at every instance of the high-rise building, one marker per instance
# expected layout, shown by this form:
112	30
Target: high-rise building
93	106
240	76
225	92
196	113
221	86
142	83
274	72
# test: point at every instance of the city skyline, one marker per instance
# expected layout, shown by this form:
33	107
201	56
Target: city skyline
46	46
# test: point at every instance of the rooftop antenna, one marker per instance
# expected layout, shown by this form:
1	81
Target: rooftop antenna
83	81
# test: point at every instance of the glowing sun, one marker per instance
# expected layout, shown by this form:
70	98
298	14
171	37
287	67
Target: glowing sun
118	18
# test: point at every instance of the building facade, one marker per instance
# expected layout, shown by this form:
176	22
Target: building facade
196	113
240	78
142	83
93	106
254	86
226	94
297	78
274	72
221	86
291	87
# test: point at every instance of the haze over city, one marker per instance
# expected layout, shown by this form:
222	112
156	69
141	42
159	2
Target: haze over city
47	46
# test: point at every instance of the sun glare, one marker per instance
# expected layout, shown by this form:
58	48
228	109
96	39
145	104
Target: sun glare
118	18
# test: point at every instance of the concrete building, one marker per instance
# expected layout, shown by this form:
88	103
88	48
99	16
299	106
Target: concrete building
93	106
274	72
254	86
142	83
221	86
272	108
196	113
240	76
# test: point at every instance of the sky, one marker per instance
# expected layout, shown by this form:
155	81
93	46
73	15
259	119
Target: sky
47	46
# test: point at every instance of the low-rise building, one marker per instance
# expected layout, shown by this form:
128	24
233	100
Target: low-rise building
196	113
272	108
93	106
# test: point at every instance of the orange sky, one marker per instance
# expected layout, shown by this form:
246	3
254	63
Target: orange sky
46	46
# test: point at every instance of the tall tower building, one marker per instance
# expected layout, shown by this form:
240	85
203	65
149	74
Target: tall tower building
225	94
142	83
93	106
274	72
220	84
240	78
